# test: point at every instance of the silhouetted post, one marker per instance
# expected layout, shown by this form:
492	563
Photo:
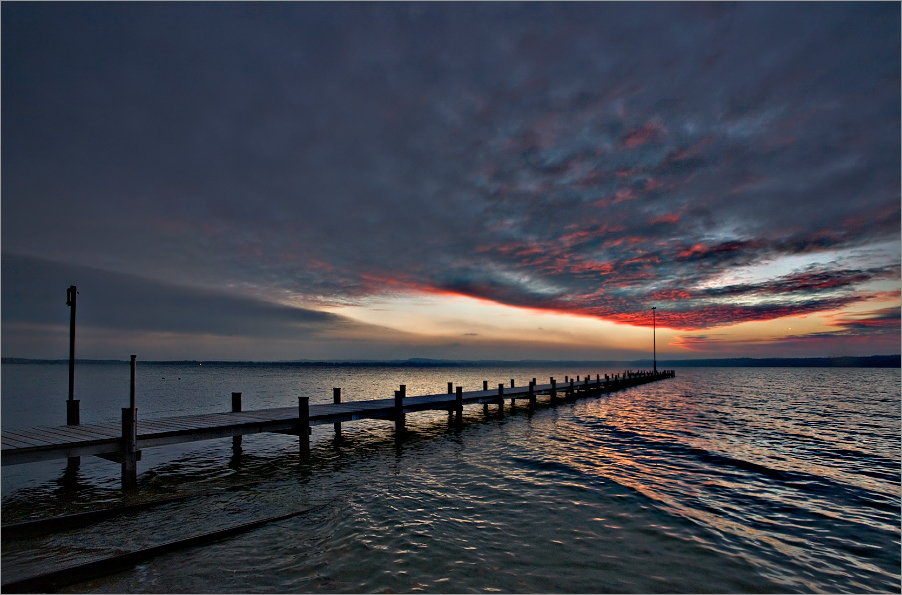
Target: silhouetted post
553	392
459	403
532	394
654	347
399	410
236	408
512	386
130	436
304	427
336	399
485	385
450	388
501	397
72	416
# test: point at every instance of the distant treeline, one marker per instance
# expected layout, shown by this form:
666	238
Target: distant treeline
871	361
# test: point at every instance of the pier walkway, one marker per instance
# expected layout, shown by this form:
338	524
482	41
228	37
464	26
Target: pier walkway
123	443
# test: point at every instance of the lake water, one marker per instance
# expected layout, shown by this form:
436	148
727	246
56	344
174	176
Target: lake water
718	480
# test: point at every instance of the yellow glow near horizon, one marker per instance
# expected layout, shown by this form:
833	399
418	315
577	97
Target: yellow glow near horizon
457	317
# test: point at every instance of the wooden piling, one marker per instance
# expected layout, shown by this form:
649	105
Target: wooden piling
236	408
336	399
129	448
532	394
399	409
553	392
459	403
72	415
500	397
485	385
130	435
450	388
304	427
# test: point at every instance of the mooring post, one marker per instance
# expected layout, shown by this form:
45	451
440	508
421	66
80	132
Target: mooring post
570	391
336	399
72	416
450	388
304	427
485	385
501	397
553	392
459	403
532	394
130	436
399	410
236	408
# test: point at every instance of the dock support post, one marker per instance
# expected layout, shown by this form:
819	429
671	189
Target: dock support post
236	408
485	385
501	398
553	392
532	394
130	435
72	416
399	410
129	448
336	399
459	404
304	427
450	388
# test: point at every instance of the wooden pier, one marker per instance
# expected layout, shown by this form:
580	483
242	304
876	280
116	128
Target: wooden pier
124	443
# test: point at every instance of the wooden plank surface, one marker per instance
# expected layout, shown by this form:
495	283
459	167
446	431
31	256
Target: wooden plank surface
170	430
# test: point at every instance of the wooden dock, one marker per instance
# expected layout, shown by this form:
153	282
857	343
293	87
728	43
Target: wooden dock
123	443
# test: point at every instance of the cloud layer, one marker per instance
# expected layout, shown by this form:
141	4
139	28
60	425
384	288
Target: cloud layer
594	158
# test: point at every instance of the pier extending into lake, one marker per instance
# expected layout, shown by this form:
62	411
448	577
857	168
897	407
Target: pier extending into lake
124	442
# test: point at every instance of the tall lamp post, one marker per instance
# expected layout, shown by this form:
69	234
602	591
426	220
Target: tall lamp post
654	349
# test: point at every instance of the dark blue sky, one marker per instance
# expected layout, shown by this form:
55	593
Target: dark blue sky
293	163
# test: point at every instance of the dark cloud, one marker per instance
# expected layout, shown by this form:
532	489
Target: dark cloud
34	292
586	157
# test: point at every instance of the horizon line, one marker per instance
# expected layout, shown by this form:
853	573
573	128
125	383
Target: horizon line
883	361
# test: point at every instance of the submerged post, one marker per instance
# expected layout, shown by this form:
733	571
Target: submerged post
72	416
236	408
304	427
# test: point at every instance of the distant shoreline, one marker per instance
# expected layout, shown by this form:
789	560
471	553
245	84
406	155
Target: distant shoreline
871	361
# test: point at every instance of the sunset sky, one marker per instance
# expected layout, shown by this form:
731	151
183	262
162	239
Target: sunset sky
283	181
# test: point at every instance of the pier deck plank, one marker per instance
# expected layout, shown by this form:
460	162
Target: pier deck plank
55	442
